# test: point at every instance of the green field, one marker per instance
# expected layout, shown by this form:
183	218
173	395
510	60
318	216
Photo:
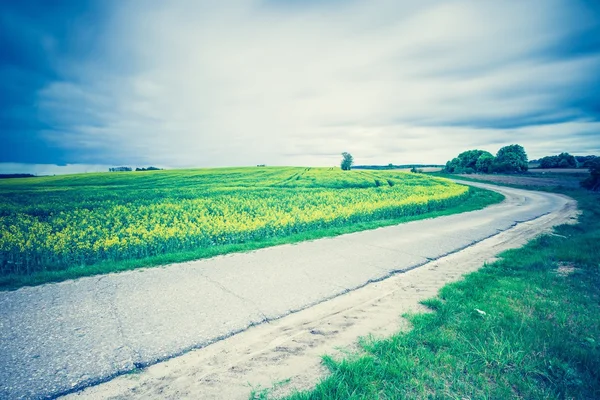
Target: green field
94	223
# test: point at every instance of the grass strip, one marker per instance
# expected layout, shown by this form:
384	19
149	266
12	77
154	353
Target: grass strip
536	334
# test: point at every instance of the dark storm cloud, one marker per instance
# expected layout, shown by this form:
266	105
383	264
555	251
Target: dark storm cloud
36	38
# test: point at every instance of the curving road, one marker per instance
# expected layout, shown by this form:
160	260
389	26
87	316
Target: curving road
58	338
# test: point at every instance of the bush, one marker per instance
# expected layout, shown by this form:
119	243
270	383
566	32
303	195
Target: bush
593	181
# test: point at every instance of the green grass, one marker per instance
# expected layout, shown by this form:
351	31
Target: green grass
539	337
477	199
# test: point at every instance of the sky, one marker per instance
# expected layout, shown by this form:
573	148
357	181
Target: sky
195	83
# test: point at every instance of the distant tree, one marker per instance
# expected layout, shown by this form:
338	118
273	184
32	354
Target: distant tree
564	164
8	176
469	158
592	182
467	162
589	162
452	165
484	163
148	169
563	160
347	161
119	169
511	158
549	162
584	161
567	160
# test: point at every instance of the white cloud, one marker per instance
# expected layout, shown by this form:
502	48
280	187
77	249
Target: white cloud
196	83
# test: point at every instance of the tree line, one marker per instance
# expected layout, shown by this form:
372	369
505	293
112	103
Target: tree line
127	169
512	158
565	160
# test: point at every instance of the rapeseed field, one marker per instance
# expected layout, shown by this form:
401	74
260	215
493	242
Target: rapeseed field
54	223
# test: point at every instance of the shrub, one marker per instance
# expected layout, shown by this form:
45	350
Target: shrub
592	182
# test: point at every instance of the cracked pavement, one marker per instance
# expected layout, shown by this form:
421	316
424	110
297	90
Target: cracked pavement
58	338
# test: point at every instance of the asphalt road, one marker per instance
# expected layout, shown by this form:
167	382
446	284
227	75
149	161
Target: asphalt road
62	337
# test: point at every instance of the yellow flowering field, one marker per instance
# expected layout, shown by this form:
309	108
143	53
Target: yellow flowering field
54	223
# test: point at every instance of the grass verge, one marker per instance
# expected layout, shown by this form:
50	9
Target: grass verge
526	326
478	199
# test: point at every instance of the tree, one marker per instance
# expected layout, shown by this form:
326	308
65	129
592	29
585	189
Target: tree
511	159
119	169
563	160
589	161
467	162
347	161
567	160
484	163
592	182
564	164
468	159
453	165
584	161
549	162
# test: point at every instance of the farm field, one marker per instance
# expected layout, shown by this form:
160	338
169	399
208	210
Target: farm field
570	171
50	225
531	179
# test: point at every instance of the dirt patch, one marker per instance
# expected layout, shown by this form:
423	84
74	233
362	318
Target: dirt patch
529	180
581	171
565	269
285	355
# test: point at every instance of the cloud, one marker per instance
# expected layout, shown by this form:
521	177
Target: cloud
198	83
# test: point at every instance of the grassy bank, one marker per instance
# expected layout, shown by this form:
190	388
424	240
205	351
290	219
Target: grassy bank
536	334
476	199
